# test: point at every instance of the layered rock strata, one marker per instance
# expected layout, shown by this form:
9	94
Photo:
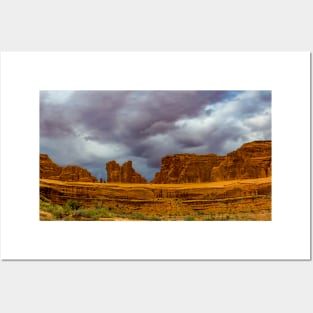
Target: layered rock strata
172	202
251	160
50	170
123	174
186	168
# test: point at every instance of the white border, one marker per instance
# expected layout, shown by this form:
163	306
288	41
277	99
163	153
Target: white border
23	74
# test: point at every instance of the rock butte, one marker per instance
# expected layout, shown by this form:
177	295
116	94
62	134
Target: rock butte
50	170
123	174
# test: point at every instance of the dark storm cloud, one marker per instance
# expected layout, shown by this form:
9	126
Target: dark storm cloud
157	127
96	126
53	122
190	141
130	114
122	115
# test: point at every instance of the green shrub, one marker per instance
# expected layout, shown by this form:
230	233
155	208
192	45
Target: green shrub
93	214
73	205
83	213
189	218
58	212
137	216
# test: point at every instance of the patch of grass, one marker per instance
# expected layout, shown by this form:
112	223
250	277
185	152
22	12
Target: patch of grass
189	218
139	217
93	214
72	210
55	210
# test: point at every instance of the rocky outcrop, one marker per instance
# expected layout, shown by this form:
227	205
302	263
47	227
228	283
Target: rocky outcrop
129	175
76	173
113	172
50	170
251	160
123	174
186	168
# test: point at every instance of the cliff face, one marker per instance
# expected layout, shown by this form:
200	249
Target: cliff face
123	174
76	173
186	168
251	160
50	170
128	174
113	172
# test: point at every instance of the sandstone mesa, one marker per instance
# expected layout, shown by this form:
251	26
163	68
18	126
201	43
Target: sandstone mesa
251	160
123	174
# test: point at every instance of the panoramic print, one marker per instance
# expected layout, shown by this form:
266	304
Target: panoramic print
202	155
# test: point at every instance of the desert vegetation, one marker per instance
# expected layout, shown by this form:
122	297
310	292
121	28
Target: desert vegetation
73	210
238	209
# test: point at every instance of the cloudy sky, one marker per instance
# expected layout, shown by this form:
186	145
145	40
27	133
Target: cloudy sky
90	128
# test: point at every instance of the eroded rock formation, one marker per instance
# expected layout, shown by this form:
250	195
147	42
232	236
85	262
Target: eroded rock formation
186	168
251	160
123	174
129	175
113	172
50	170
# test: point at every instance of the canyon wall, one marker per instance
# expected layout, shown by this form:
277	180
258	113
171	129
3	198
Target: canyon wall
251	160
186	168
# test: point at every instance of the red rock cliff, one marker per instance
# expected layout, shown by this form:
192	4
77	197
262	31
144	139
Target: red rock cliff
50	170
252	160
123	174
113	172
186	168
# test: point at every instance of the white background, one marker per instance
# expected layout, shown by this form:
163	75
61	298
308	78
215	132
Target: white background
161	286
25	74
